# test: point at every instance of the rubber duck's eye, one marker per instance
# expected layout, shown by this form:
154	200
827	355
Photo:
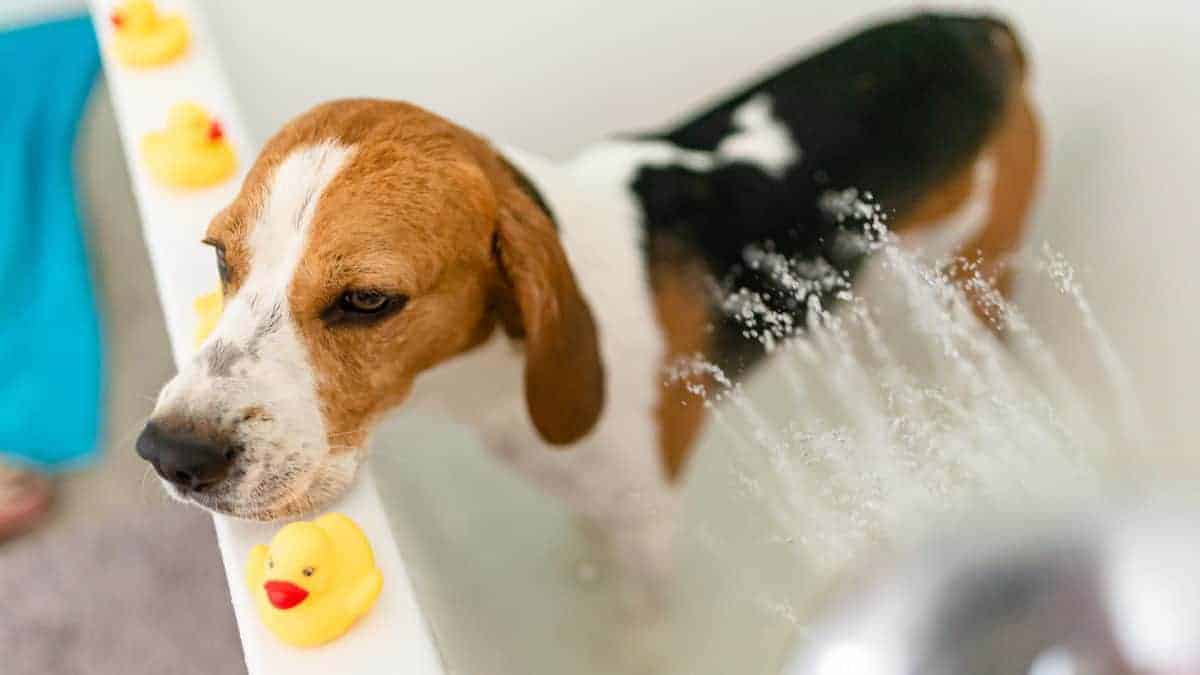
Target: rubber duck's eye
307	571
270	564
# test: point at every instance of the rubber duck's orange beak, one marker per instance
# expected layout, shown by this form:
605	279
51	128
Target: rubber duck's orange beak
284	594
116	19
215	132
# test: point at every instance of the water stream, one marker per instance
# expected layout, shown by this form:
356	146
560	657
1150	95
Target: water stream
881	424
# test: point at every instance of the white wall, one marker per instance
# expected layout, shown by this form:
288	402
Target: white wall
1117	82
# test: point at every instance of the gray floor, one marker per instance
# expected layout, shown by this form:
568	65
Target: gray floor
119	580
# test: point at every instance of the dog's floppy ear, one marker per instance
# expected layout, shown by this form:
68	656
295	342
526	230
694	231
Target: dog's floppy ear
564	376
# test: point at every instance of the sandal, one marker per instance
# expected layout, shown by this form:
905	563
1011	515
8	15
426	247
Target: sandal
24	499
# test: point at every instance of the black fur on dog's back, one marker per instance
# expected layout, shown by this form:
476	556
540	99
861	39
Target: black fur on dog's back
893	111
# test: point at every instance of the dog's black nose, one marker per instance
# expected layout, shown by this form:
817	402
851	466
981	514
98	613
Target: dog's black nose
188	462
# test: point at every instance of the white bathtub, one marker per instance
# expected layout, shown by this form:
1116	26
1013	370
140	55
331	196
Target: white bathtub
500	580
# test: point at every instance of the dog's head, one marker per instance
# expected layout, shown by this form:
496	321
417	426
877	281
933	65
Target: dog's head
370	242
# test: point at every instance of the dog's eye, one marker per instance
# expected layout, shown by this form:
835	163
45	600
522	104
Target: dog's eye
307	571
222	266
364	302
363	306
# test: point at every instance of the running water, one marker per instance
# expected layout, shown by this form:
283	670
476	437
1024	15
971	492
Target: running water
891	417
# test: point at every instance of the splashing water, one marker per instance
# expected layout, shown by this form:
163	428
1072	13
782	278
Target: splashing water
877	423
898	413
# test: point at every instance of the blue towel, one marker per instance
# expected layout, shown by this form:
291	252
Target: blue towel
50	353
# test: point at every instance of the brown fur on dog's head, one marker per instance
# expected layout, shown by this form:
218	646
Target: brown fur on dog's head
413	209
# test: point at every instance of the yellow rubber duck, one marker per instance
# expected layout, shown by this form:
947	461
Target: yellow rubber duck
191	152
208	309
143	38
315	580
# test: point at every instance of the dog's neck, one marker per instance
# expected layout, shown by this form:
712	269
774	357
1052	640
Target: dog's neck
476	388
599	228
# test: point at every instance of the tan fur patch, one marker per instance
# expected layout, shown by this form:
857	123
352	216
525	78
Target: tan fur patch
683	305
1015	149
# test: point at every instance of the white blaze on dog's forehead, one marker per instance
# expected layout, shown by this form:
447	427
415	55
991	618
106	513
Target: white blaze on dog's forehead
277	237
259	316
281	227
761	138
256	359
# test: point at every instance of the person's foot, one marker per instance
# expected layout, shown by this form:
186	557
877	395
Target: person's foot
24	499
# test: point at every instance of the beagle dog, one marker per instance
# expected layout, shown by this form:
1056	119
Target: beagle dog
378	254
